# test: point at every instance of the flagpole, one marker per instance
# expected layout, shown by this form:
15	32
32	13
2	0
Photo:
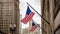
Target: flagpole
38	13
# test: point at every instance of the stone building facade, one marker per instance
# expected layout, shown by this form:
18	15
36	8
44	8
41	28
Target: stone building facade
48	14
9	16
57	17
1	5
51	12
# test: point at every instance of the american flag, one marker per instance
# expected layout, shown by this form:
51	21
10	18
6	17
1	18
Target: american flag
34	26
28	16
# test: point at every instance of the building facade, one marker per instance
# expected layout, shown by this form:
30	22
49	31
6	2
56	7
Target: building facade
51	12
1	5
48	14
56	17
10	16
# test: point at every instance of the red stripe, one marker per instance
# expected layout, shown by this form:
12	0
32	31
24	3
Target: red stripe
27	18
31	15
33	28
23	20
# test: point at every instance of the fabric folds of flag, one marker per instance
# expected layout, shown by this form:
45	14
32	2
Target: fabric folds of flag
28	16
34	26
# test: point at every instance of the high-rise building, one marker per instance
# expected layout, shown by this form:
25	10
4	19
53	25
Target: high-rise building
47	13
9	16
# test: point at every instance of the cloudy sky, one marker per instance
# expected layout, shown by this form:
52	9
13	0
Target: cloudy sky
36	4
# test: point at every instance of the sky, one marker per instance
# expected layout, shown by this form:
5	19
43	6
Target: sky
36	4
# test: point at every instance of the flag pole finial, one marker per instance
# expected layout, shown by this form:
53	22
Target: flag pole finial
27	3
